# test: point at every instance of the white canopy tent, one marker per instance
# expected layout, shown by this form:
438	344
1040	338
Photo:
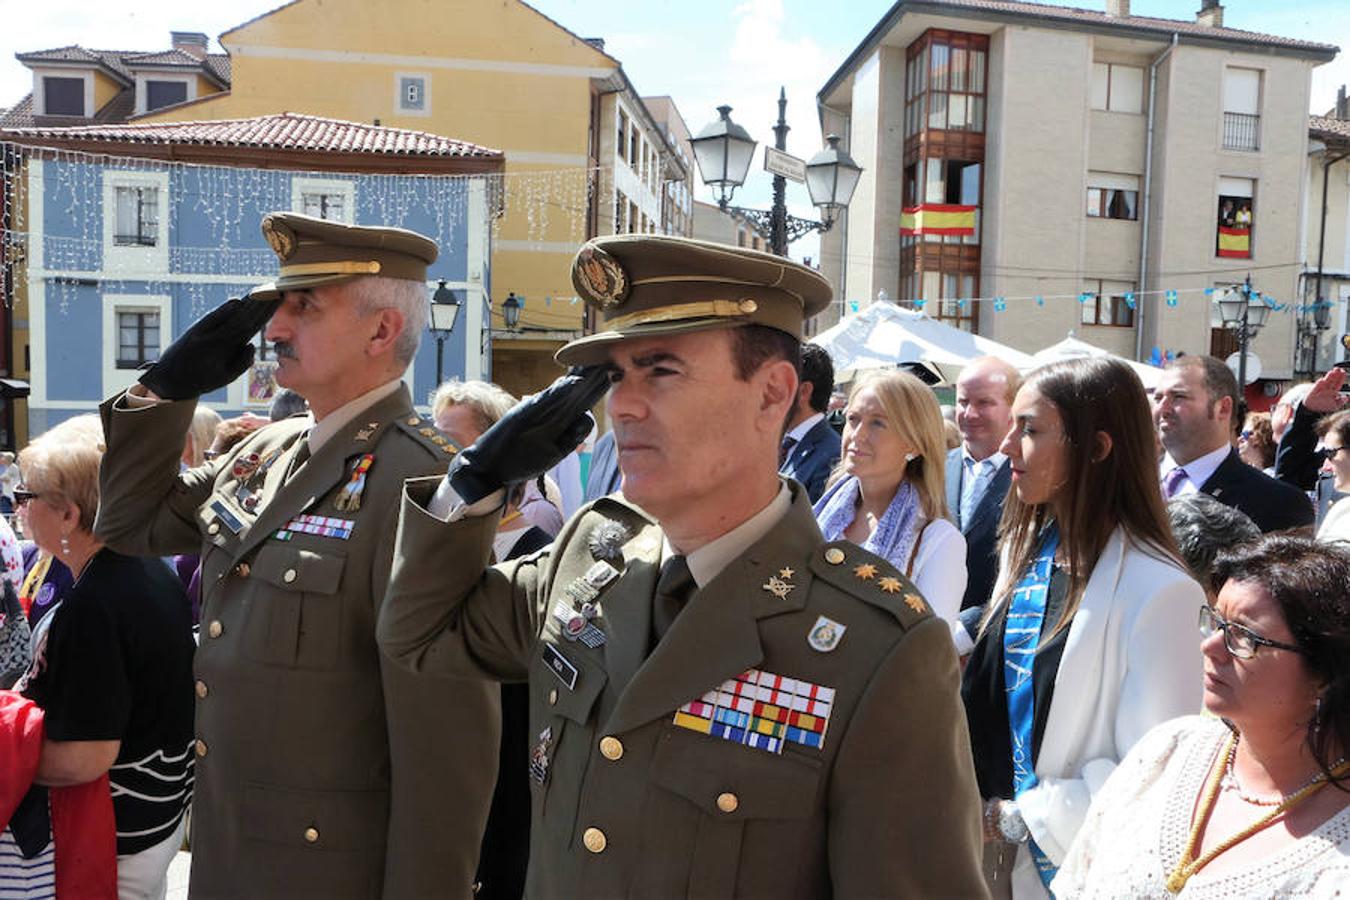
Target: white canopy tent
886	335
1072	348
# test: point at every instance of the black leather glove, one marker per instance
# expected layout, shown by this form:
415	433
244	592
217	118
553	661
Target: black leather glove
532	438
212	353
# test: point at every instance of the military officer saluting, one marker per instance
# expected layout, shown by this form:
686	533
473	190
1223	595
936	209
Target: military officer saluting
322	769
722	704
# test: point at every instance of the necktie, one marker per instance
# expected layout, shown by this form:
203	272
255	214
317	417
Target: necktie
786	449
973	489
1172	482
300	457
673	588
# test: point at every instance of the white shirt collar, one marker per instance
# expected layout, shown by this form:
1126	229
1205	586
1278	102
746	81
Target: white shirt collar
998	459
322	432
800	431
708	561
1198	470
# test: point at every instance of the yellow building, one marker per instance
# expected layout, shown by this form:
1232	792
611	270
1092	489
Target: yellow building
584	156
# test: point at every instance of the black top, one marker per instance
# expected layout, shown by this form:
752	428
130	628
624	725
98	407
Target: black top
117	665
986	698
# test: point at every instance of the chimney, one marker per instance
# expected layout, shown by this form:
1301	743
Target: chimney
597	43
193	43
1119	9
1342	107
1210	14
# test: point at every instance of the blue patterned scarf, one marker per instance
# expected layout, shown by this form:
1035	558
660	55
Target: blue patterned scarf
894	536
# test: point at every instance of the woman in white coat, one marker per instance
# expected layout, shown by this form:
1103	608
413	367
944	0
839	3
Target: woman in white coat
1087	643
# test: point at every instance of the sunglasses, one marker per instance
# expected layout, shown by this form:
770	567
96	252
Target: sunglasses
22	495
1328	452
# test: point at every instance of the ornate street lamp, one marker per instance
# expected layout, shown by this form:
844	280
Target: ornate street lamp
445	305
511	307
724	149
1244	318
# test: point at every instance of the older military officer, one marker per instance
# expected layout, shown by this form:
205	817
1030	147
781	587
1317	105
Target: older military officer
722	704
322	770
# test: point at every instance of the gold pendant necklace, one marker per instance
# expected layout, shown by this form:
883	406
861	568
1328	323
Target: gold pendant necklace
1188	865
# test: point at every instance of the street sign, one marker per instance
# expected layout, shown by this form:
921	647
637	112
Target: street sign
776	162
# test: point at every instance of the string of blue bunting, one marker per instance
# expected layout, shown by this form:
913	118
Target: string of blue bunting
1172	298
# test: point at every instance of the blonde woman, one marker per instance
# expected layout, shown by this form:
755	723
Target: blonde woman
888	493
201	435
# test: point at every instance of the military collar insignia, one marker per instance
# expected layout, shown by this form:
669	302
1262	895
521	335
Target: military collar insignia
607	540
279	237
602	278
779	585
825	635
365	434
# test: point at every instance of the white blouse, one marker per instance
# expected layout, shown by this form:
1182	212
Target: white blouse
1140	821
940	573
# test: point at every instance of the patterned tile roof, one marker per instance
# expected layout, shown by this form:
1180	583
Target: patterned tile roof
1327	127
285	131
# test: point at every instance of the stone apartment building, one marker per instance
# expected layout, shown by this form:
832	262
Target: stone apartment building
1096	171
1324	321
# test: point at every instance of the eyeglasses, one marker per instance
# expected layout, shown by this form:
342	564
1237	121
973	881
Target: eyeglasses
22	495
1245	436
1240	640
1328	452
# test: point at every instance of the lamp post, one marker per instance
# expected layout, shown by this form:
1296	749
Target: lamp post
445	305
724	150
511	308
1244	318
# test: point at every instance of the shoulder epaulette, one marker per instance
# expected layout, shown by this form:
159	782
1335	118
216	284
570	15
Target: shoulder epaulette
872	579
422	431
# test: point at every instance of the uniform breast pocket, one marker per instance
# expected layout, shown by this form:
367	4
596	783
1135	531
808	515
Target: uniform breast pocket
753	819
297	611
564	688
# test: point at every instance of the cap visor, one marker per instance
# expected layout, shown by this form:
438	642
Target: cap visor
595	348
274	289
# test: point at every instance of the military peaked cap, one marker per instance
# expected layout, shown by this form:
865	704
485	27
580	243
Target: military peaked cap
315	252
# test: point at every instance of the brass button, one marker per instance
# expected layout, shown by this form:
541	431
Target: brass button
611	748
311	835
242	570
201	747
748	306
728	802
834	556
215	629
201	689
213	528
413	420
553	697
288	576
594	839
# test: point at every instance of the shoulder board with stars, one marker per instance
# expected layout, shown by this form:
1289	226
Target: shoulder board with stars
425	433
870	578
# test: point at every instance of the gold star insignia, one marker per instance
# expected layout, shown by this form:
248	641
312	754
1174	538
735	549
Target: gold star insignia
778	587
914	602
785	572
866	571
889	585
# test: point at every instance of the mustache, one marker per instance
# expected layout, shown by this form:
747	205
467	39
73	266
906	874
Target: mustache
283	350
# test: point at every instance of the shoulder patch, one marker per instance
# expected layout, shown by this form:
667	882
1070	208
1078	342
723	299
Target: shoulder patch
423	432
871	579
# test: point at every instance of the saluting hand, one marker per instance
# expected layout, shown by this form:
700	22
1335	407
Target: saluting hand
212	353
1326	396
532	438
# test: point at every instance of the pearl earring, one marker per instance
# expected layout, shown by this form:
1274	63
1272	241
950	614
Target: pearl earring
910	457
65	545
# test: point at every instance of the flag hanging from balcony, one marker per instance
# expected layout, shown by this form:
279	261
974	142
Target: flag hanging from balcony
1235	242
938	219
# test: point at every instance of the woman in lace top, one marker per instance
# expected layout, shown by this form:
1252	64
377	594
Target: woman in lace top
1254	802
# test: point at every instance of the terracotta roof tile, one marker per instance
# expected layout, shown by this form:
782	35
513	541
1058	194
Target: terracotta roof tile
1329	127
286	131
174	57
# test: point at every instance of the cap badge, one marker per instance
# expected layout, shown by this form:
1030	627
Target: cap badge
601	277
279	237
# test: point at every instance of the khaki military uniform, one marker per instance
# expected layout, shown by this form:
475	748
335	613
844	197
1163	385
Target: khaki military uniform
641	786
323	769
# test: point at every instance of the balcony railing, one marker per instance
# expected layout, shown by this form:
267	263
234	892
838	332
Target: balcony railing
1241	131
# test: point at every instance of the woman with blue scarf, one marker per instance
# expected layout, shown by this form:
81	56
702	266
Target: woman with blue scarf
888	493
1087	642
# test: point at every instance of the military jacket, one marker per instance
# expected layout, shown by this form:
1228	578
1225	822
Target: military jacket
797	732
323	770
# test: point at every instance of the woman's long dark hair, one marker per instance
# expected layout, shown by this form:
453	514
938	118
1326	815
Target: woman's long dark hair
1093	395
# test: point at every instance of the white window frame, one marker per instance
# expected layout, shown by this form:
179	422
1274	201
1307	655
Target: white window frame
143	88
134	260
116	380
40	95
399	108
343	187
1105	103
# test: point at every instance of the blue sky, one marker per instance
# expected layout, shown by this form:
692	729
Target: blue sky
700	52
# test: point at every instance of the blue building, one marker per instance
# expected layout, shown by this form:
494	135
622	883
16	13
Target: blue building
129	233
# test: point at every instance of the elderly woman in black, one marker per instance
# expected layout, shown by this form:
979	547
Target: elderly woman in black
112	669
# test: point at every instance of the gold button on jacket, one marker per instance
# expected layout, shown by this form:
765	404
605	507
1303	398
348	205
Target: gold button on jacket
305	720
887	806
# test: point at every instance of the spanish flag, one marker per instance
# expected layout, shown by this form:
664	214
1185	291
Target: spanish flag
938	218
1235	242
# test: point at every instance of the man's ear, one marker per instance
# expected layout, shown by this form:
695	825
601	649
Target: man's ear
780	389
389	323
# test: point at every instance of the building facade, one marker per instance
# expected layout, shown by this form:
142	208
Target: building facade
1324	319
1039	170
127	234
